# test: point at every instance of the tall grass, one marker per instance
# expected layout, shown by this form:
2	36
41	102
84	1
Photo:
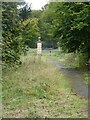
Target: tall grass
39	90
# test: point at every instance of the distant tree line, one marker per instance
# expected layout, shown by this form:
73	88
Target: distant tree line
66	23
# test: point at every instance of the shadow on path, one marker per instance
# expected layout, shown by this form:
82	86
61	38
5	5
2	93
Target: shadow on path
75	76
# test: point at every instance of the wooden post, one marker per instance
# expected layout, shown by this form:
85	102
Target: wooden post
39	49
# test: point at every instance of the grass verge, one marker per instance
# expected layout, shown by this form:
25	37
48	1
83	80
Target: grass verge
40	90
71	60
87	77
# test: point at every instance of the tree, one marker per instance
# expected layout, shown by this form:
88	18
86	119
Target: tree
36	13
46	24
12	43
25	12
73	28
30	32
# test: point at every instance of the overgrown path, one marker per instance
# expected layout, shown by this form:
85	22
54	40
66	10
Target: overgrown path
75	76
36	90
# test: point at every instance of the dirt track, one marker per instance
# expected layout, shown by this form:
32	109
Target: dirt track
75	76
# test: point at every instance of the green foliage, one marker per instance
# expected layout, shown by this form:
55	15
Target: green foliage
36	13
82	59
87	78
11	32
67	24
25	12
30	32
13	39
30	28
46	25
73	29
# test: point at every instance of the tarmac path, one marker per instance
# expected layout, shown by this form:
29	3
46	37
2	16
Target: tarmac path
75	76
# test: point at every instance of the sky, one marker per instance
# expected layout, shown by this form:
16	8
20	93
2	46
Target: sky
36	4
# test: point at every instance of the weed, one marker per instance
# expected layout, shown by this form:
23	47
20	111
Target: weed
87	77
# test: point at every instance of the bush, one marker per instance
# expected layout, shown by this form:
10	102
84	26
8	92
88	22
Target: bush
82	60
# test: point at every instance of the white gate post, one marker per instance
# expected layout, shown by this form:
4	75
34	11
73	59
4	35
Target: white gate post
39	49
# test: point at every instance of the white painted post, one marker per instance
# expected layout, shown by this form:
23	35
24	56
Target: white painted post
39	49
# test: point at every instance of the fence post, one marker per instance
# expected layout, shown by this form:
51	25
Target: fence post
39	49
